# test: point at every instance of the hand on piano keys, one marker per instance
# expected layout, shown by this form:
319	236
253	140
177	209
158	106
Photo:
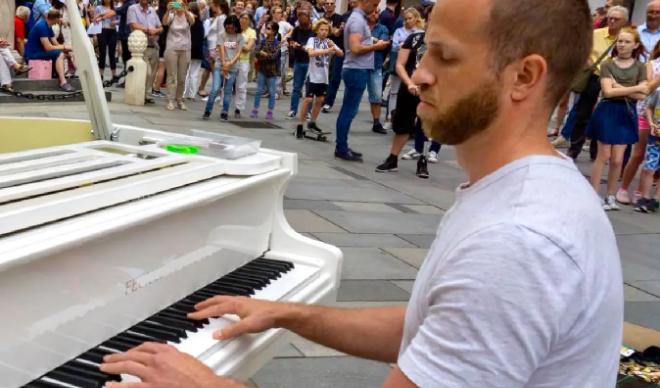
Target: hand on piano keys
162	366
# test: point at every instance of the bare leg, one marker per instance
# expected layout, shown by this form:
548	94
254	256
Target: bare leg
375	111
205	79
305	108
398	143
59	69
604	151
636	159
316	109
160	76
614	171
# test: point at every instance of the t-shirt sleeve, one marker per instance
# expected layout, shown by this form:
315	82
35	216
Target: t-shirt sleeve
641	71
352	26
131	17
407	44
605	69
20	30
310	44
221	38
494	309
652	100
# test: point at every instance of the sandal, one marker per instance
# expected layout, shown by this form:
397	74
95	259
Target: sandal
203	94
21	69
7	88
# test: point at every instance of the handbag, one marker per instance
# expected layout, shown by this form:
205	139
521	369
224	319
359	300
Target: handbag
582	79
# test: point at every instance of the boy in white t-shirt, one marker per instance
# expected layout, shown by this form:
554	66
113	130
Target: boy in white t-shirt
319	49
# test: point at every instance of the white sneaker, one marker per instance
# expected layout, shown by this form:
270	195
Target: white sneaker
291	114
412	154
611	202
326	108
433	157
388	125
605	205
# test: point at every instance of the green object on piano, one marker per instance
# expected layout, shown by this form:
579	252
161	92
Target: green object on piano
182	149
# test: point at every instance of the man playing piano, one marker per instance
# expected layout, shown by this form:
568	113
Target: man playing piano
518	290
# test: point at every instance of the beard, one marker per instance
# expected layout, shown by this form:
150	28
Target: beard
466	118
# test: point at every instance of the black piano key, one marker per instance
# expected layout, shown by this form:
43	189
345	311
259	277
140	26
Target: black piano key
254	283
135	337
289	264
184	315
170	314
265	269
117	345
83	371
185	325
235	285
131	341
162	334
94	368
223	287
269	267
78	381
260	282
265	273
204	293
95	355
42	384
285	266
181	333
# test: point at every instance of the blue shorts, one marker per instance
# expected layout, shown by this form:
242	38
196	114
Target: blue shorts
45	55
652	159
375	86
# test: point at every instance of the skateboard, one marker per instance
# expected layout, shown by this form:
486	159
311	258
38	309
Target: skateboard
302	133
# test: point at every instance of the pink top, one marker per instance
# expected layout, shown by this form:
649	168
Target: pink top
178	37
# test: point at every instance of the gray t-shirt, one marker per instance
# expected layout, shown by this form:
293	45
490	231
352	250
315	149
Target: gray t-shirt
232	44
626	77
357	23
318	65
522	286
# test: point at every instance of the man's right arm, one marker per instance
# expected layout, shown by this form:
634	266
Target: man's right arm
373	333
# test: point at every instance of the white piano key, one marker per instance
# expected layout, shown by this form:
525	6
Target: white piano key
200	342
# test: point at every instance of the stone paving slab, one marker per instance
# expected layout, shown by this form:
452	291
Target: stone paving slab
361	191
650	287
363	222
412	256
311	349
420	240
406	285
364	240
425	209
309	205
632	294
303	220
374	264
327	372
370	291
640	256
645	314
366	207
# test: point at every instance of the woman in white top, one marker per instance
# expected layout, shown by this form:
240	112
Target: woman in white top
213	28
639	149
412	23
177	52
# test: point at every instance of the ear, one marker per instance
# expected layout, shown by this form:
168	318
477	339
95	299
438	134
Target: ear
528	74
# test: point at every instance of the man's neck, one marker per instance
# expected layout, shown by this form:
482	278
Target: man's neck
501	144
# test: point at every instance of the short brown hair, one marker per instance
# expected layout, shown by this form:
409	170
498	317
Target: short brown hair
53	14
558	30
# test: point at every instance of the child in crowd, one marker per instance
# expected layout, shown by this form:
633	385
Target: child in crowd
614	122
267	53
652	163
230	45
319	49
639	149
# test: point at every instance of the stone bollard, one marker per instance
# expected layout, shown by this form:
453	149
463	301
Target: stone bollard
136	79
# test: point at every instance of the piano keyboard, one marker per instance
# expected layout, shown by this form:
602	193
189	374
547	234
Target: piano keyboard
261	278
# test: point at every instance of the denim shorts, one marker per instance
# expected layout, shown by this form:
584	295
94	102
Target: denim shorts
375	86
652	159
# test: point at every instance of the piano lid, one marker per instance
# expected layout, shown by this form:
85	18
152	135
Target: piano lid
88	72
50	184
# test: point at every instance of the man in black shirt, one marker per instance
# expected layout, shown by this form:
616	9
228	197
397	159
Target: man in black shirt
297	41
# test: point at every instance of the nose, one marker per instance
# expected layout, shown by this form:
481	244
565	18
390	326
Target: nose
423	76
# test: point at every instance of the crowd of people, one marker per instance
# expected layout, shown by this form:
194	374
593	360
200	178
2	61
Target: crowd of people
311	46
612	106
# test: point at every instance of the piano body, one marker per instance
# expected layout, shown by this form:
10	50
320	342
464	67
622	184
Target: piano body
107	243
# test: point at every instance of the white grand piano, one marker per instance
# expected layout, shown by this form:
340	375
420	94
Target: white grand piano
107	243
